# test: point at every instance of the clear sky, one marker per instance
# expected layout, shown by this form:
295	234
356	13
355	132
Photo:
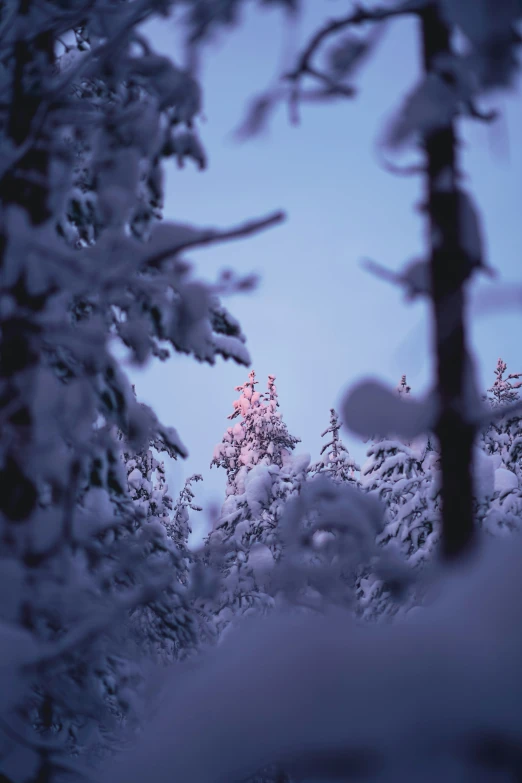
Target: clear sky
318	321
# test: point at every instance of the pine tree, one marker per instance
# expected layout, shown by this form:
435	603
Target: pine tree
336	461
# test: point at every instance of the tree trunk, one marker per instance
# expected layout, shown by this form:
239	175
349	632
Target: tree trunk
27	183
450	267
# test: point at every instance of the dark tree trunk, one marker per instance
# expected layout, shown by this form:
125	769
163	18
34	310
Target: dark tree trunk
450	267
27	183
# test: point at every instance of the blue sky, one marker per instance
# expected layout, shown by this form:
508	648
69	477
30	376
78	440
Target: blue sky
318	320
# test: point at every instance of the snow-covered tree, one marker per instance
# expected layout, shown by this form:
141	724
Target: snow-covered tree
147	486
336	461
261	475
88	577
389	461
502	514
179	527
502	442
79	559
337	714
404	476
504	436
504	390
259	437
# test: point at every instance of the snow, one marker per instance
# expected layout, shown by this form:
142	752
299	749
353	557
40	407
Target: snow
260	557
483	474
341	698
258	488
505	481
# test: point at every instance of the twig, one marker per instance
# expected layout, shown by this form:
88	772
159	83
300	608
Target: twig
334	88
381	271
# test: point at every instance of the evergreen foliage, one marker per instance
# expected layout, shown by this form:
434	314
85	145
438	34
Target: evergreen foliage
504	436
261	476
336	461
97	582
89	580
502	440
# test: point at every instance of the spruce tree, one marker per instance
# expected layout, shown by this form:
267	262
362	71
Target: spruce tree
390	462
260	437
179	526
502	441
261	475
405	478
336	461
504	436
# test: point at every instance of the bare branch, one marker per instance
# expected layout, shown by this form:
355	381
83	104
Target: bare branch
381	271
355	18
212	235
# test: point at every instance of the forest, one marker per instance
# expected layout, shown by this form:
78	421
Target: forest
339	621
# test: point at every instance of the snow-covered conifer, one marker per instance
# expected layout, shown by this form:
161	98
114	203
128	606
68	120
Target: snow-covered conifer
503	389
404	476
336	461
403	387
502	442
87	573
261	475
504	435
502	514
179	528
389	461
260	435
